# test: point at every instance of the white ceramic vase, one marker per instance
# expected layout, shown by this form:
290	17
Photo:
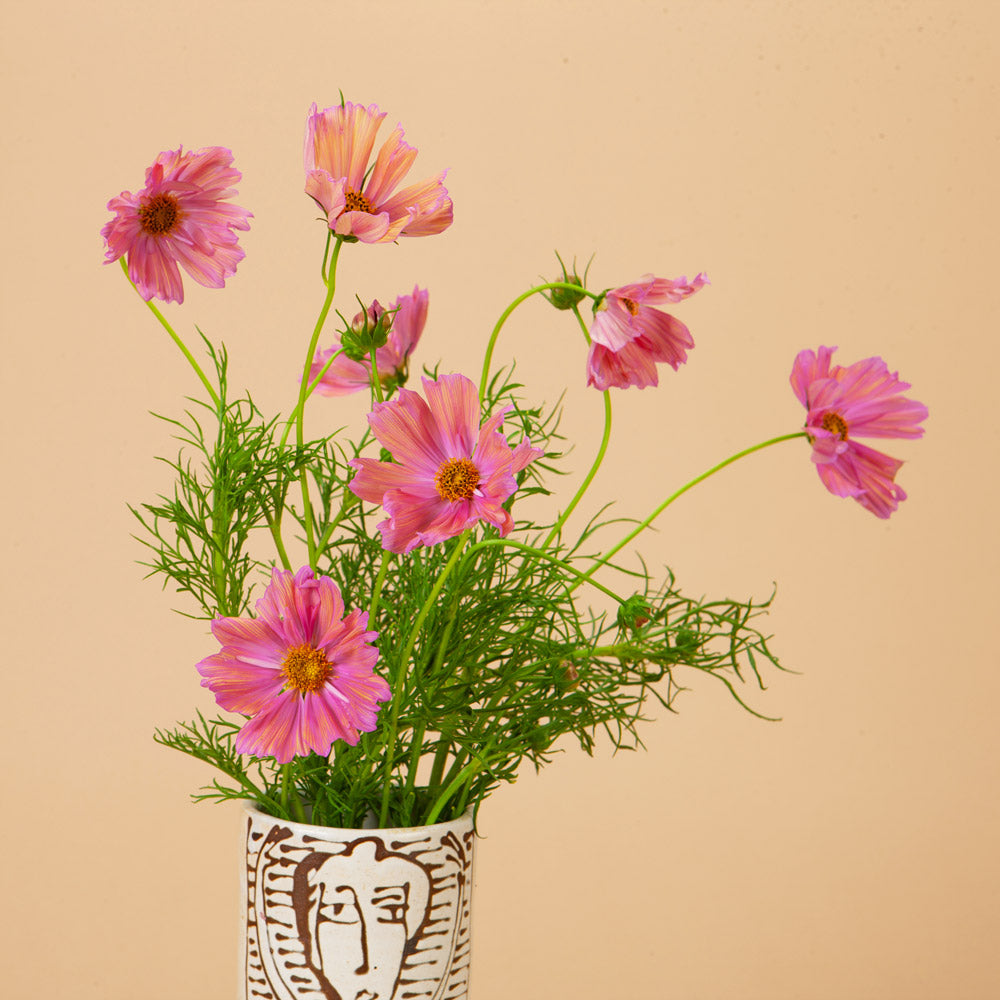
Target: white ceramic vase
334	914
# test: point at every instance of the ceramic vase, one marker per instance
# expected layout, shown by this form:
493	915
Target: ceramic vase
333	914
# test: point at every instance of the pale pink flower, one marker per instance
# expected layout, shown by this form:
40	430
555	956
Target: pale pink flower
449	471
338	146
629	337
862	400
300	669
180	217
408	314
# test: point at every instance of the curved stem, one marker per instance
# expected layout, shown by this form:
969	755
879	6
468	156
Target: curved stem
506	313
600	453
540	554
174	336
326	254
603	559
398	680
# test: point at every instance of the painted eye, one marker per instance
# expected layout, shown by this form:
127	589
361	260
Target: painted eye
339	913
391	913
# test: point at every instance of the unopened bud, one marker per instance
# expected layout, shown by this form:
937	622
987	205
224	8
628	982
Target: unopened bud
368	332
567	298
634	613
569	676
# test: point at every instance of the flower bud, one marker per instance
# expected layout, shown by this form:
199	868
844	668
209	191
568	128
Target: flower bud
634	613
368	332
567	298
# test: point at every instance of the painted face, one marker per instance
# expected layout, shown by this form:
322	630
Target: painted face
361	918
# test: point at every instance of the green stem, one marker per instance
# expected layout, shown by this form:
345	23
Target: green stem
603	559
303	390
539	554
437	768
279	545
294	415
174	336
377	394
584	486
379	581
400	678
326	254
476	764
411	775
506	313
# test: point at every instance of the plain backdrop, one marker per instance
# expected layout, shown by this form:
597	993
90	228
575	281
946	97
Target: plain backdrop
833	167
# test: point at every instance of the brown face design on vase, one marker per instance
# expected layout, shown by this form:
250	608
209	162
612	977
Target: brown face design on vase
358	916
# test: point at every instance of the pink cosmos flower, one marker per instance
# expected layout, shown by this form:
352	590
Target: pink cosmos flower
344	376
862	400
449	471
339	143
180	217
300	669
629	337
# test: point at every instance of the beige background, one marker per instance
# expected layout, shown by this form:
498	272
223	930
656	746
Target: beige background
833	167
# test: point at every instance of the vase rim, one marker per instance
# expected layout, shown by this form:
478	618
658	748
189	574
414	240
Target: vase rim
466	819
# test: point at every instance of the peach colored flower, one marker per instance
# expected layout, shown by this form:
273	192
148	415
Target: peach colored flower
338	146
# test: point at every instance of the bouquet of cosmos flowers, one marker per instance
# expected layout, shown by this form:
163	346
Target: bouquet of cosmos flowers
392	640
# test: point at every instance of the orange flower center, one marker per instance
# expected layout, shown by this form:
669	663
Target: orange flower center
457	479
159	215
836	423
629	305
357	202
305	669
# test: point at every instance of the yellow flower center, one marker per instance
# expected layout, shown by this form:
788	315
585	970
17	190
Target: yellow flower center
629	305
159	215
305	669
836	423
457	479
357	202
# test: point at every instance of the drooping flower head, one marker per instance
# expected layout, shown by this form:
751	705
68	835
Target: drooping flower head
843	404
182	217
339	143
406	317
449	471
629	337
301	670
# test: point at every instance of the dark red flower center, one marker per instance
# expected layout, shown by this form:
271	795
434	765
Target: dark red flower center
357	202
835	423
457	479
629	305
159	215
305	669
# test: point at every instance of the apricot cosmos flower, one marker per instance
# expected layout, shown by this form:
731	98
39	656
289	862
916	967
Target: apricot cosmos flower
862	400
338	146
449	471
300	669
406	317
182	217
629	337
